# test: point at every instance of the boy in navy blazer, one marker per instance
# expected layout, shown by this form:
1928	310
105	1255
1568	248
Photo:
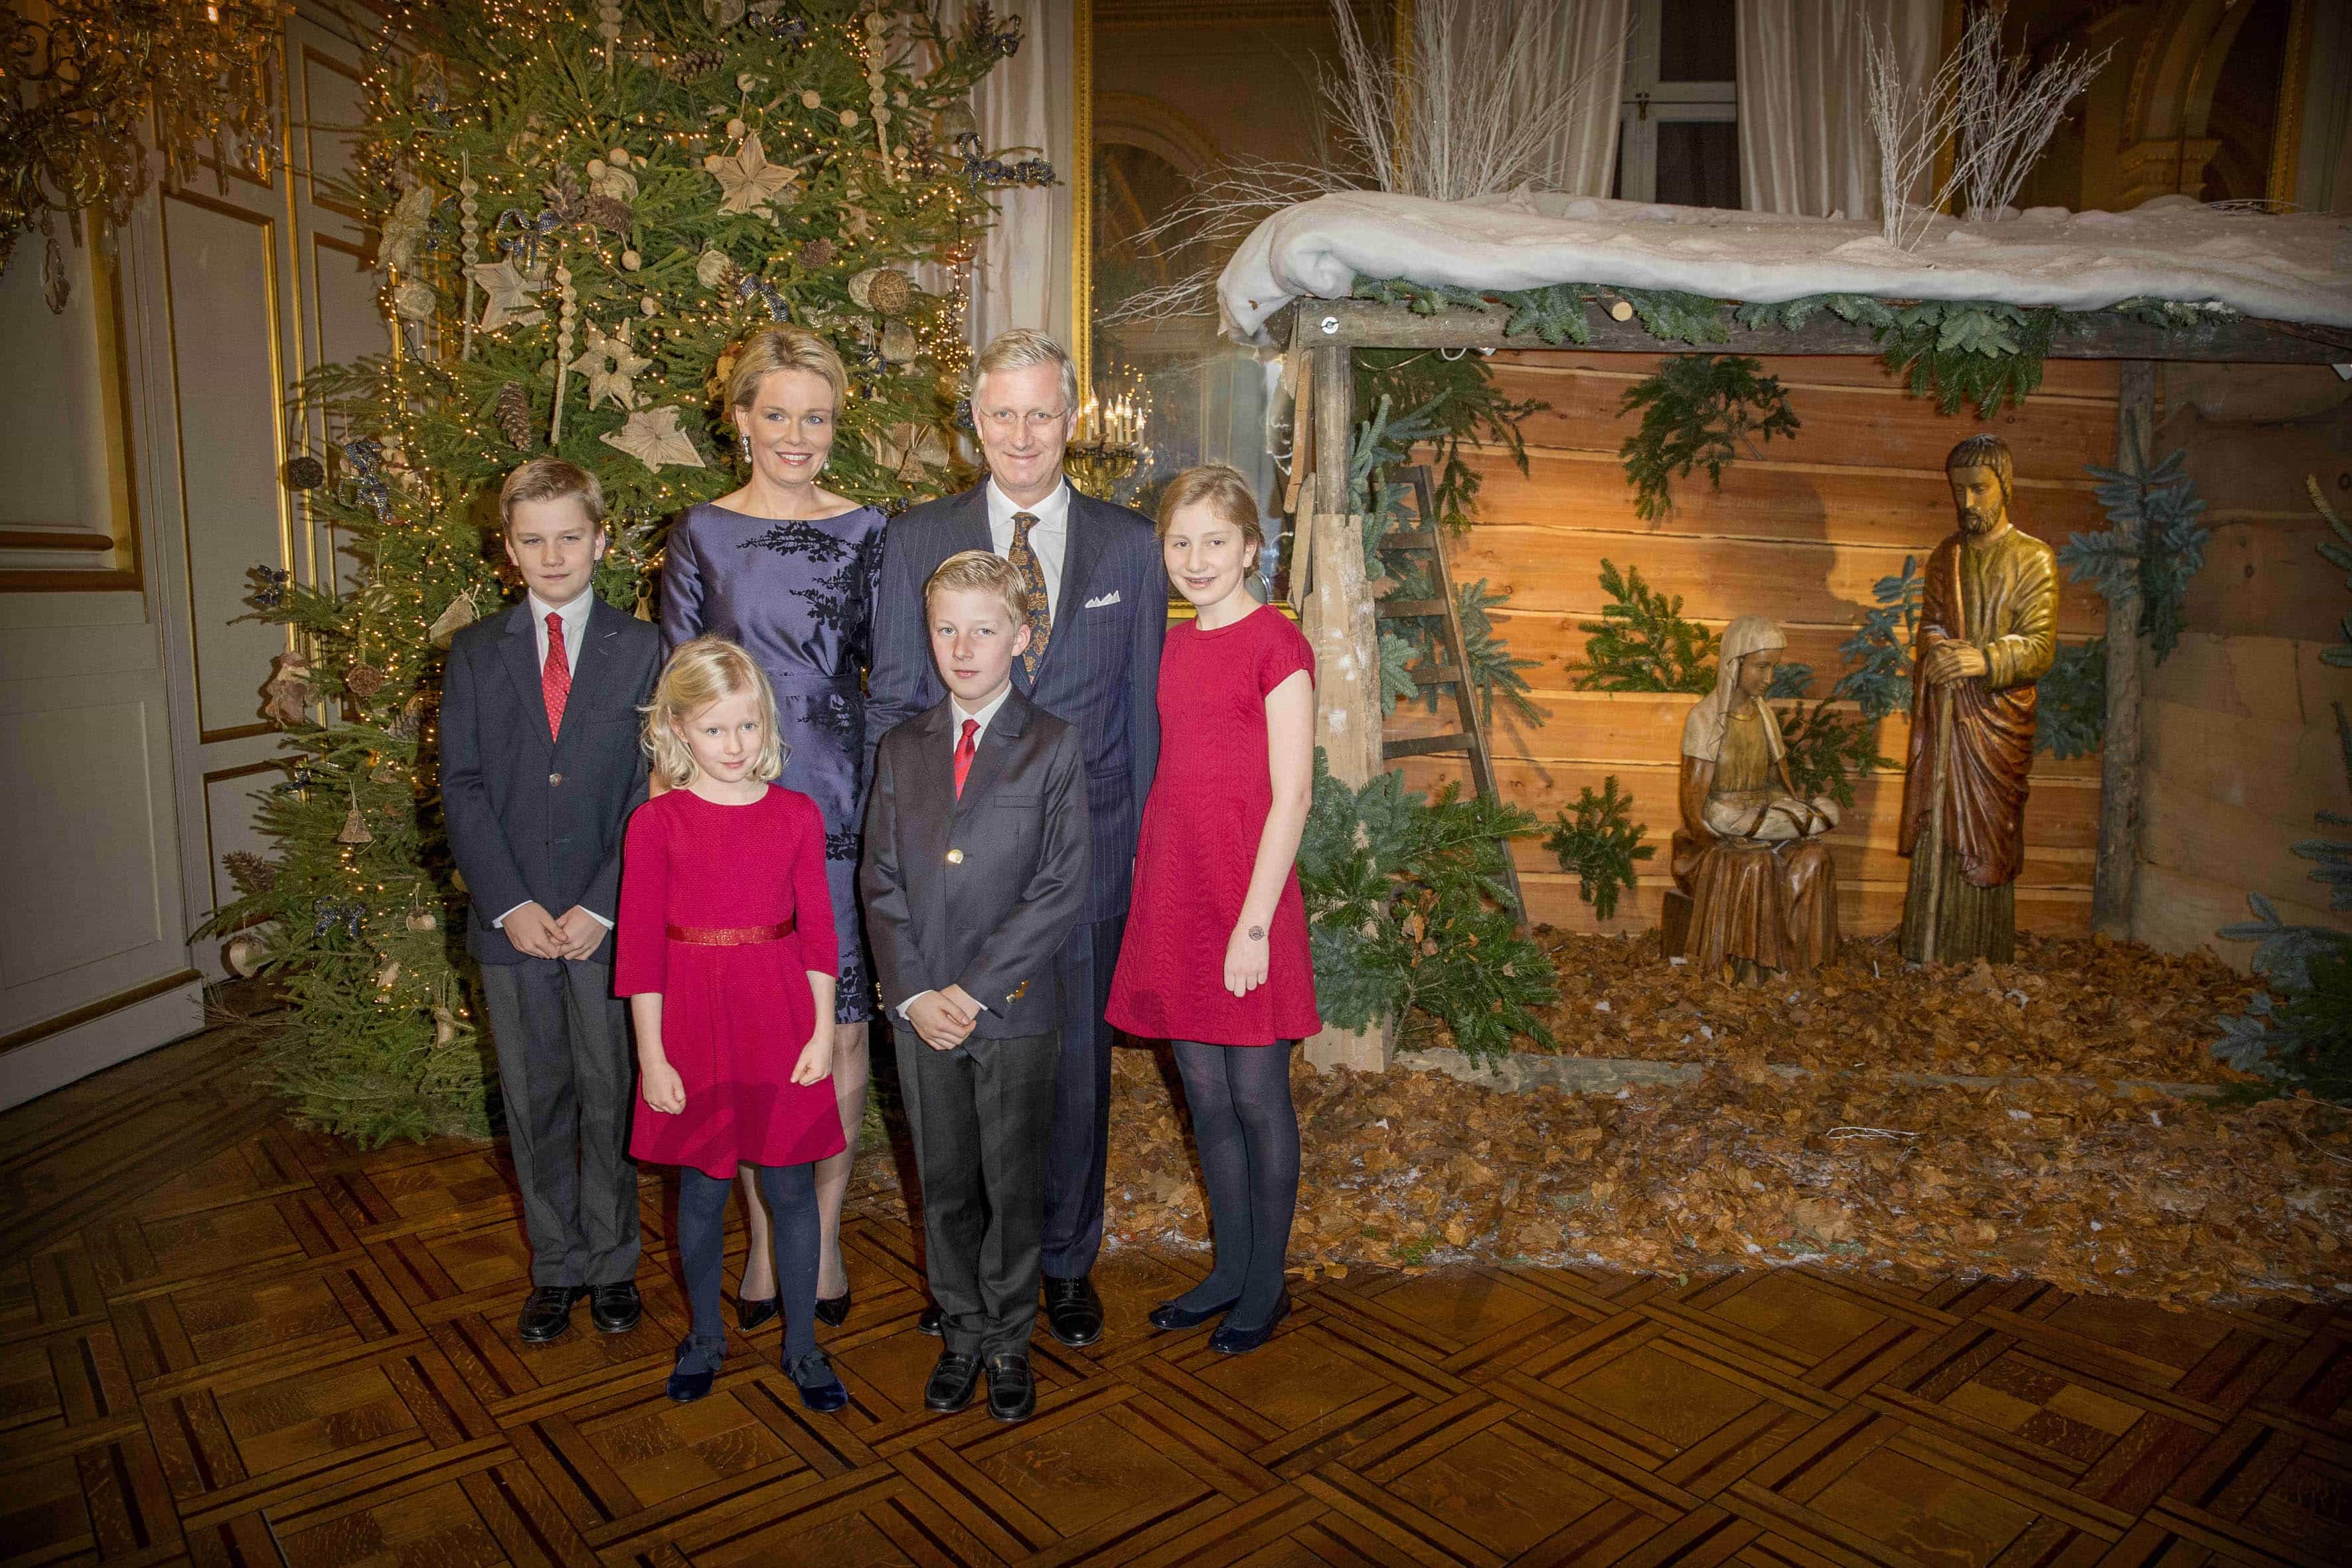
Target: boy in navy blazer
1097	616
977	849
539	770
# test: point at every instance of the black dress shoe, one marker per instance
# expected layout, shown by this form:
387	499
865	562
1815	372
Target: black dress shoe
695	1370
1170	1316
616	1309
1074	1312
821	1391
1231	1341
1012	1391
930	1321
953	1382
834	1312
751	1314
547	1313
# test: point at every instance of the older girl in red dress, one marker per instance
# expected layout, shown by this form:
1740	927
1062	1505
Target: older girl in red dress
727	953
1215	958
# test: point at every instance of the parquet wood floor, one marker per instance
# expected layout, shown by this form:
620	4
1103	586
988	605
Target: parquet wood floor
224	1341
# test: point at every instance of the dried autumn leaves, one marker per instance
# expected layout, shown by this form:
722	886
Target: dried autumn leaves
2133	1194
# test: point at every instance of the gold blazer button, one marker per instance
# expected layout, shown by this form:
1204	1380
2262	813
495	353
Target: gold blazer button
955	857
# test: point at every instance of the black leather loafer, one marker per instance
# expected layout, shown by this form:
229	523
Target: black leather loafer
952	1382
1168	1317
821	1391
616	1309
1073	1313
1012	1391
751	1314
547	1312
834	1312
930	1321
688	1383
1231	1341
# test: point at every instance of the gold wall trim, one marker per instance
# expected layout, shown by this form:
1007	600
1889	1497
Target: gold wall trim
273	300
2295	76
1082	194
114	412
91	1012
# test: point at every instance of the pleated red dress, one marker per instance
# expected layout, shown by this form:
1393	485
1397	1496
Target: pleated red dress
1201	825
724	910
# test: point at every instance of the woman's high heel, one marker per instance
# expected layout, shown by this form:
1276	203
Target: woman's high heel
833	1312
751	1314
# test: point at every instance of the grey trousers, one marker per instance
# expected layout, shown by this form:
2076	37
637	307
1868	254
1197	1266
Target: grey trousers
564	1068
979	1114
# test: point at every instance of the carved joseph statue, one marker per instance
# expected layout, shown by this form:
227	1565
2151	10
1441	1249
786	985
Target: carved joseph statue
1987	631
1749	855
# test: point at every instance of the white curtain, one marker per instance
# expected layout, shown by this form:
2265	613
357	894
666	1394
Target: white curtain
1023	276
1584	48
1805	145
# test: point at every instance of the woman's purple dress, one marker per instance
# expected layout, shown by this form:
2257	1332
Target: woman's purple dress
799	597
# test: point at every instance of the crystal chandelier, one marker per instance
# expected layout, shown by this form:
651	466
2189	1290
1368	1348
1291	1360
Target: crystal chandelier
79	84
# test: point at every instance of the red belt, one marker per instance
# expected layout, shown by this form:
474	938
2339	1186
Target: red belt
729	936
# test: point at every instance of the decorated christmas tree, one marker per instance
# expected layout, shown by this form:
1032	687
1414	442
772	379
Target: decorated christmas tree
582	208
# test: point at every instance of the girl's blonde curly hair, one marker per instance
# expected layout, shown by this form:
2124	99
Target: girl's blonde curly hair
699	673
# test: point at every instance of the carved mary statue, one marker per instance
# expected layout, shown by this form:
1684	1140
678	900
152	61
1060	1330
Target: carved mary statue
1749	855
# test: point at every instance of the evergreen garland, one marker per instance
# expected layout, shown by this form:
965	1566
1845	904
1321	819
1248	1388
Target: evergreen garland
1642	643
614	163
1698	409
1600	843
1407	909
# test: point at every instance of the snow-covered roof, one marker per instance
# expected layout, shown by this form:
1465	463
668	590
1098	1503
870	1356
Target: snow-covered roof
2294	268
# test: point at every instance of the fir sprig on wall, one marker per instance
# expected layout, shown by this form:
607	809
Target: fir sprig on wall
1829	748
2071	700
1698	410
1407	909
1642	643
2153	547
1600	845
1458	401
1878	655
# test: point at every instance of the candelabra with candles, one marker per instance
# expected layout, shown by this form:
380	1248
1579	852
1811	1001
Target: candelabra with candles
1108	445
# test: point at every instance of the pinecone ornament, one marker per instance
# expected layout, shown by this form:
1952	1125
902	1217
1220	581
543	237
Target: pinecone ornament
817	254
363	680
565	199
693	64
514	416
610	214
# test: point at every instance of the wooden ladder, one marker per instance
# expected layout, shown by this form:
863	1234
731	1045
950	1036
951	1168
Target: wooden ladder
1427	537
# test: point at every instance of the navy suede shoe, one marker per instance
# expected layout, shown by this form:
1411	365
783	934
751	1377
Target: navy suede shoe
821	1391
697	1370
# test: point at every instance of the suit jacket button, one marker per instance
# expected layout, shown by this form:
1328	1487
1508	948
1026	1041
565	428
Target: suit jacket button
955	857
554	779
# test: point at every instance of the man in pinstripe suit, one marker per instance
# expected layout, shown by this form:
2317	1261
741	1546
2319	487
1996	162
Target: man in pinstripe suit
1094	573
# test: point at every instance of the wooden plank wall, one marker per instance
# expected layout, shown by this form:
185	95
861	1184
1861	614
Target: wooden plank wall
1799	533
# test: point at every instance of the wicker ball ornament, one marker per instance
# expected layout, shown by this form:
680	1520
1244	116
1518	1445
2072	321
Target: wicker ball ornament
889	292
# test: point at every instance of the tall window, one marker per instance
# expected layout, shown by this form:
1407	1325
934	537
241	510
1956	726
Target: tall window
1678	132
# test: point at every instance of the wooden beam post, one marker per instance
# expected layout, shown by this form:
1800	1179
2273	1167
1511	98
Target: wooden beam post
1338	620
2115	873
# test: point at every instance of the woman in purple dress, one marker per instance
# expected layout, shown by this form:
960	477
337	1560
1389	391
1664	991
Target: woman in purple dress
788	570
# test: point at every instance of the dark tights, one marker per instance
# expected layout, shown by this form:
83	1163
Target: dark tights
1247	1132
790	1192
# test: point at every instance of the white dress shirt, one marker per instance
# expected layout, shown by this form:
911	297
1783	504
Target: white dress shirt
986	715
1049	536
575	636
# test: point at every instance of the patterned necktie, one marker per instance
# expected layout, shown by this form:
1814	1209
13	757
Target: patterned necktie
965	749
556	676
1024	559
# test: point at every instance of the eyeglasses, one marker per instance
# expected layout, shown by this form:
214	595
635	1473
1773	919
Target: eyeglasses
1036	420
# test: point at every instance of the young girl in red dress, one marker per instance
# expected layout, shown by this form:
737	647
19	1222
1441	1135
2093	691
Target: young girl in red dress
1215	958
727	952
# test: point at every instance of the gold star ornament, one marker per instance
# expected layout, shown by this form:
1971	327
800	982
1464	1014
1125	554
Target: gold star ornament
611	365
509	290
652	437
749	181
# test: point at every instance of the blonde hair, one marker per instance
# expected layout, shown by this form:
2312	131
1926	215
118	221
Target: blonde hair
979	572
780	347
1018	348
1225	493
551	479
699	673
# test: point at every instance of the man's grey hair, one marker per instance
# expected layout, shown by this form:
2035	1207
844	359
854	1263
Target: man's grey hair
1018	348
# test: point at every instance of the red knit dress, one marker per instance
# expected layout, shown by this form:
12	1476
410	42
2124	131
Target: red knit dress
703	888
1207	805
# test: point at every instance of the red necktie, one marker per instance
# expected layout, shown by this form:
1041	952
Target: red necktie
556	676
964	749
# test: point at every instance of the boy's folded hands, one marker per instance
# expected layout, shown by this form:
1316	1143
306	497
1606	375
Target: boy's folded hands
943	1018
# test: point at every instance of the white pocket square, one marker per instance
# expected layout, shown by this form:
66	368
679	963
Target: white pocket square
1109	598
